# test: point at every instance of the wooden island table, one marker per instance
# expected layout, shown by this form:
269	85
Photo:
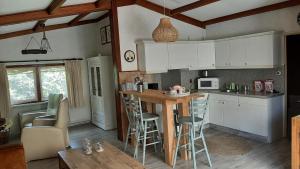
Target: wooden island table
167	101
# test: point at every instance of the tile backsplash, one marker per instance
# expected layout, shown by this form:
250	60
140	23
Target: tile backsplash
247	76
238	76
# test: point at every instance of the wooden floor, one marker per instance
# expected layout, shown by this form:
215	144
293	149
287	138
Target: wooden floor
227	151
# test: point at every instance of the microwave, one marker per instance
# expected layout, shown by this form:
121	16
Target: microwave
208	83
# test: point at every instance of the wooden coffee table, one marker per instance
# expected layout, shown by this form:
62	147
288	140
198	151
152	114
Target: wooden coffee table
110	158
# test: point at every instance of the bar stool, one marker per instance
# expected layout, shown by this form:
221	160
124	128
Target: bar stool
198	109
142	126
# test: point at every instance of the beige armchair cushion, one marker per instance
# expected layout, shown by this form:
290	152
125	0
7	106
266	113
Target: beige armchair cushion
45	141
42	142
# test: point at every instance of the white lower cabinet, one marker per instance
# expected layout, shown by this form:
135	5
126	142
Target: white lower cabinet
231	115
254	118
259	116
216	111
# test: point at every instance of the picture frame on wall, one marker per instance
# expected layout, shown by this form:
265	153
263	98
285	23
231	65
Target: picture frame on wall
108	34
103	35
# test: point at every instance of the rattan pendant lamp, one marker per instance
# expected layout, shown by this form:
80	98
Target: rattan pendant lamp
165	31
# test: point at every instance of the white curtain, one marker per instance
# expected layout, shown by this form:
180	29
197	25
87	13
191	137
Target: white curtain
4	92
74	83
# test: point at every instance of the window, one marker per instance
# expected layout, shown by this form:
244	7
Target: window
53	80
22	85
34	83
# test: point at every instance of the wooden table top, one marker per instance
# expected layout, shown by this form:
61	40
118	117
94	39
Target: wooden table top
110	158
161	95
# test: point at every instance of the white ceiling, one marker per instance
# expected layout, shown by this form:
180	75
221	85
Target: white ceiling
214	10
60	20
217	9
76	2
94	15
17	27
17	6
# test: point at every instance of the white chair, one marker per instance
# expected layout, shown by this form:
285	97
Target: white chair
45	141
198	110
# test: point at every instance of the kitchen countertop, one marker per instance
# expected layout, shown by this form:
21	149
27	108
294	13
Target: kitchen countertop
262	95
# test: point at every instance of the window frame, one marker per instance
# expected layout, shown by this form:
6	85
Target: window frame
37	79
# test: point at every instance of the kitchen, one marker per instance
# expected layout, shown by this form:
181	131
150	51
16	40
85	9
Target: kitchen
245	84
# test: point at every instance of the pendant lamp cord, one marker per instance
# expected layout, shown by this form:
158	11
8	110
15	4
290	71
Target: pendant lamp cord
30	42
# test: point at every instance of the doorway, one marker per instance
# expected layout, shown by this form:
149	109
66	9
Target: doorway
293	78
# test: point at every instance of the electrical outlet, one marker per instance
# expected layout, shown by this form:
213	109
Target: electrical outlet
278	73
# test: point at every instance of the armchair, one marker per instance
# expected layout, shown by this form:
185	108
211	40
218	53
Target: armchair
26	119
45	141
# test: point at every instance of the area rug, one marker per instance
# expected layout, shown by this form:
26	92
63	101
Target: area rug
227	144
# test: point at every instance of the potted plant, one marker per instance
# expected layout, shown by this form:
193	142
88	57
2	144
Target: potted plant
5	126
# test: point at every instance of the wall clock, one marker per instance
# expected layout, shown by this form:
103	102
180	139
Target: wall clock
129	56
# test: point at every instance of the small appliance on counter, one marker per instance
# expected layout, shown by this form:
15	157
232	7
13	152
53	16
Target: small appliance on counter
208	83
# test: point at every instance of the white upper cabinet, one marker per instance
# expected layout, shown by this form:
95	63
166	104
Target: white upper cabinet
262	51
183	55
153	57
206	56
222	54
237	53
251	51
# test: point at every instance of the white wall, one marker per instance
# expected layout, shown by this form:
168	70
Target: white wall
75	42
136	23
279	20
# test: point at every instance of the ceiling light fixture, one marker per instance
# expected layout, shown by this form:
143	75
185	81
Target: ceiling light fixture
165	31
44	46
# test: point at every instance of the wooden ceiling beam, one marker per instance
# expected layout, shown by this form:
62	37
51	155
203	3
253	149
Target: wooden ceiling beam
160	9
255	11
191	6
55	4
60	12
47	28
38	25
101	2
77	19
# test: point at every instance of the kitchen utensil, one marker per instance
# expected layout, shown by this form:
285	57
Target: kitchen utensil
205	73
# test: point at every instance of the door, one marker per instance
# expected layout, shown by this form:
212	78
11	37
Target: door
206	55
97	100
231	114
238	53
293	85
183	55
259	51
216	108
222	54
254	116
156	57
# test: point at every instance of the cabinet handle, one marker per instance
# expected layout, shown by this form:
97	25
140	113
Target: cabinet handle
245	64
213	64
